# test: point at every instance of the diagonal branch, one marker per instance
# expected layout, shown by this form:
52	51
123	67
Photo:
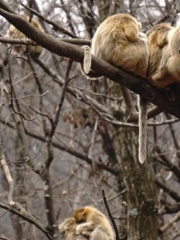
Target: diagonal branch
136	84
27	216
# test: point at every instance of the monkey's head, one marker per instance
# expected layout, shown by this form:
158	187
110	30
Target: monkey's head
67	225
80	215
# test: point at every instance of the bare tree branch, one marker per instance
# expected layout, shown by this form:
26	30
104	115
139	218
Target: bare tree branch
20	211
136	84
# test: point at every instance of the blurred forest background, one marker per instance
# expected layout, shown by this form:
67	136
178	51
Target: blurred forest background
66	138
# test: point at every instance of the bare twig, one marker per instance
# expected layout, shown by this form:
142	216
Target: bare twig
173	194
93	137
55	25
137	84
169	224
3	237
9	179
20	211
154	111
67	149
110	216
16	41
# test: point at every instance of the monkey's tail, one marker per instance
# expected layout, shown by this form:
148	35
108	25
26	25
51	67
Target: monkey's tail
87	59
142	105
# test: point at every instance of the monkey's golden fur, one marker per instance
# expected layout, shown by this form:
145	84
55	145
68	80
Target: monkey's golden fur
15	33
68	230
91	218
119	41
164	46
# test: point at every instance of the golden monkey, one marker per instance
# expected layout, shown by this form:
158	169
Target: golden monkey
90	219
15	33
119	41
68	230
158	42
164	47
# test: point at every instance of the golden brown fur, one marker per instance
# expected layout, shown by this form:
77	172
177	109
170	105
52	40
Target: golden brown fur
118	40
15	33
89	218
68	230
164	46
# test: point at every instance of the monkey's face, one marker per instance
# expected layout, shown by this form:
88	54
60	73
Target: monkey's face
80	215
67	225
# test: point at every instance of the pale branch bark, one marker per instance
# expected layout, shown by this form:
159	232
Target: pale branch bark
16	41
175	169
9	178
170	223
152	112
174	195
20	211
3	237
92	143
136	84
163	122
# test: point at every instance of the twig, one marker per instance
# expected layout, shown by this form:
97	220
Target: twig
110	215
163	122
55	25
9	179
17	41
173	194
67	149
64	89
154	111
169	224
93	137
3	238
138	84
19	210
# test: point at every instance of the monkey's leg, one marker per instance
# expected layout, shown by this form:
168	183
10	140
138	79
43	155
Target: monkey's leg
142	105
99	234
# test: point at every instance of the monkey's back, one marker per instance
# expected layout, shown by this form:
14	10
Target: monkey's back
117	41
157	41
164	62
67	229
15	33
98	218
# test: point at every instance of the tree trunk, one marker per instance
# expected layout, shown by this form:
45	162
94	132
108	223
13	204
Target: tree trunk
142	216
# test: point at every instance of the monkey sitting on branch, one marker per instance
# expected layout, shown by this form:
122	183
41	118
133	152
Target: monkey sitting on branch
164	49
68	230
119	41
87	222
16	34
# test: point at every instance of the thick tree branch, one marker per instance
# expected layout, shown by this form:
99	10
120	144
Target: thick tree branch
136	84
27	216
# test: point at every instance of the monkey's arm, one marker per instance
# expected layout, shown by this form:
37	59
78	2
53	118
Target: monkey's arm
85	228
